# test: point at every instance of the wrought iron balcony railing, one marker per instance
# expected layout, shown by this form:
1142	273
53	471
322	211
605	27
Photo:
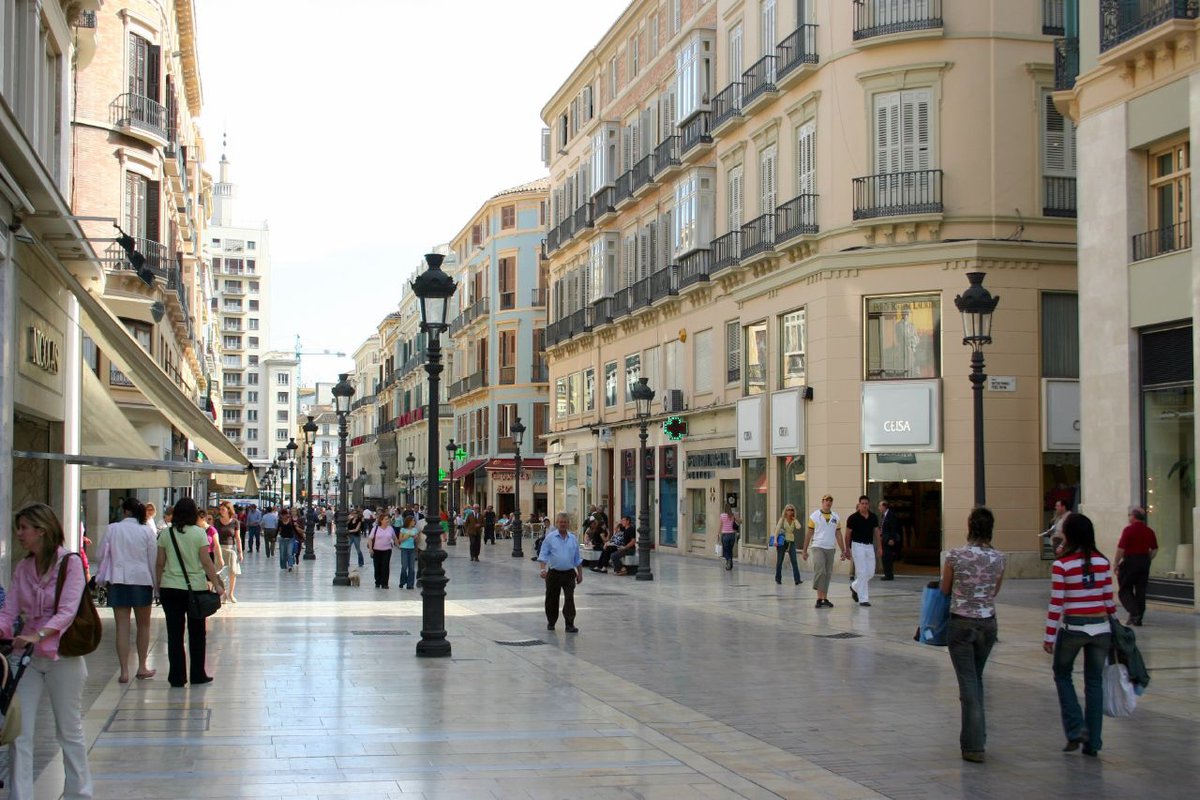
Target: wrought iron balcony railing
583	218
539	372
758	235
138	111
602	311
157	258
666	155
643	173
1058	196
639	294
538	297
1053	17
696	132
1121	20
624	190
604	202
759	79
1164	240
796	217
884	17
726	250
727	104
694	268
1066	63
664	283
893	194
622	303
799	48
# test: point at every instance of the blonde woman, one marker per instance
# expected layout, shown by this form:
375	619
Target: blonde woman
229	536
31	596
786	531
152	515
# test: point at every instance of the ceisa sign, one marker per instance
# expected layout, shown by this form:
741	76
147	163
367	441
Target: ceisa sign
901	416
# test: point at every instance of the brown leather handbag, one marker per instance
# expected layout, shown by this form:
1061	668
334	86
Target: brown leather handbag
82	636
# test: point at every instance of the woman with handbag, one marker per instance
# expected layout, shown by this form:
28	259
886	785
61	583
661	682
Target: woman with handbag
1079	619
786	531
729	532
354	527
35	584
127	564
971	576
182	569
229	537
380	543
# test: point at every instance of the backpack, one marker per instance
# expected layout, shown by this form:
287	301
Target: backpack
82	636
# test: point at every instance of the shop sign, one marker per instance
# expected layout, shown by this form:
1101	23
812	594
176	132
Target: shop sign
901	416
787	423
1061	412
750	415
44	352
723	458
1002	383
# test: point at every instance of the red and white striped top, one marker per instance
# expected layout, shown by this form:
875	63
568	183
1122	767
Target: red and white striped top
1069	596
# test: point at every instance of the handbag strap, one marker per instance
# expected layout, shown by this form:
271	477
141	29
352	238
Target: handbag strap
179	556
62	577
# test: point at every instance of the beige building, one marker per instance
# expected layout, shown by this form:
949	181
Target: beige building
1130	79
767	209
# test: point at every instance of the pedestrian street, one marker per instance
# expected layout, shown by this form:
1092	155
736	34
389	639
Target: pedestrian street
703	683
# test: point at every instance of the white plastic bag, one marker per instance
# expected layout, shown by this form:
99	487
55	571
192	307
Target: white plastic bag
1120	698
719	550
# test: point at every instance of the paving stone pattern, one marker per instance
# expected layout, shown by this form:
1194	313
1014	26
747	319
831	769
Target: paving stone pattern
701	684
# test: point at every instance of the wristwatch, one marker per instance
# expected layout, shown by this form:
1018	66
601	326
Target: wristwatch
42	634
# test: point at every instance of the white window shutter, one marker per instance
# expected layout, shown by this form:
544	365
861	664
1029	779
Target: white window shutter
652	235
626	150
627	256
643	259
1058	141
887	132
635	140
916	144
664	237
735	53
766	200
733	351
735	198
767	32
806	158
546	147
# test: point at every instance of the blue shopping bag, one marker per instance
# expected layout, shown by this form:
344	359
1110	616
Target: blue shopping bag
935	616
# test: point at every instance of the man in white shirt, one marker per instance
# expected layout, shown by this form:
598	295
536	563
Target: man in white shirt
824	537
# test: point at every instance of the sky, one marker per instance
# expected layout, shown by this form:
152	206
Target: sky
364	132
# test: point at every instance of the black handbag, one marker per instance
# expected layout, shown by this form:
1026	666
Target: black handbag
201	604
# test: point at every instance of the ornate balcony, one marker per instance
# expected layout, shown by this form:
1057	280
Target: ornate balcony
726	250
639	294
694	268
885	17
893	194
157	261
605	202
624	189
1122	20
136	112
696	137
760	82
727	107
643	174
666	157
796	217
622	303
793	53
664	283
758	236
583	218
1066	63
602	311
1058	196
476	380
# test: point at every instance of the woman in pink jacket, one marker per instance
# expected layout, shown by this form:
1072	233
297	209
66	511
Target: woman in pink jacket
32	596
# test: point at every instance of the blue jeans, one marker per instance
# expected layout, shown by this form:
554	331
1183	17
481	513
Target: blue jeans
408	566
727	542
970	642
286	555
253	537
356	543
1079	724
789	548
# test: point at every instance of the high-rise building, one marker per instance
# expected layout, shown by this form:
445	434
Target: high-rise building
240	258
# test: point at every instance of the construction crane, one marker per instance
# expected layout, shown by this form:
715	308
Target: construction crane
301	352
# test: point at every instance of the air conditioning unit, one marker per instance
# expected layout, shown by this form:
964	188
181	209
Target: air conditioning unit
672	401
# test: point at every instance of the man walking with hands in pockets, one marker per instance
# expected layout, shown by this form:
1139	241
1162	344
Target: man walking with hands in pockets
562	569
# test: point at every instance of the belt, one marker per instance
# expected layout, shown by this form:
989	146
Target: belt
562	570
1071	619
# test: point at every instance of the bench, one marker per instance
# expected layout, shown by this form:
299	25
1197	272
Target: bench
591	558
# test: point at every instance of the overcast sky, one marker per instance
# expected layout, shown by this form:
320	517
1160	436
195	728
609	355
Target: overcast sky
365	131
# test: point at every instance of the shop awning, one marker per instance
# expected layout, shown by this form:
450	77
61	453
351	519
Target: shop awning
509	464
468	468
110	335
105	431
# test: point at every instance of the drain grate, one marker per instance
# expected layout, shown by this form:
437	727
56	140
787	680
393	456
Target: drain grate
842	635
605	594
522	643
380	633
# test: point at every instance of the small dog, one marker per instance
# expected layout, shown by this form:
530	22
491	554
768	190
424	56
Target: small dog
354	580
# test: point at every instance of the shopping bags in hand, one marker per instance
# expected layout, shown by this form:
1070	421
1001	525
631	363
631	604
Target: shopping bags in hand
1120	697
935	616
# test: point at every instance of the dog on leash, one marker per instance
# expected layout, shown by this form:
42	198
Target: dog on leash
354	579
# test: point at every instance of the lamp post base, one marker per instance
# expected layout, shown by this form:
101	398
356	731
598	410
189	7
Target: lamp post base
339	581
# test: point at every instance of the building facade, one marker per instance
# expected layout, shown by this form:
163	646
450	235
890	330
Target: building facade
362	449
767	209
240	259
500	372
1129	77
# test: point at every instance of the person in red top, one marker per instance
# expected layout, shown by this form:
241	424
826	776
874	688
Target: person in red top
1135	551
1081	604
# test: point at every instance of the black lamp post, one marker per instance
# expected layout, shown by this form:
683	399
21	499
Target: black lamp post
342	392
291	457
643	396
382	481
310	439
517	430
408	490
452	534
362	479
976	305
434	288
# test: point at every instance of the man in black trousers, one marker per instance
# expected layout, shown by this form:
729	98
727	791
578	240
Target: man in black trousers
892	539
489	525
562	569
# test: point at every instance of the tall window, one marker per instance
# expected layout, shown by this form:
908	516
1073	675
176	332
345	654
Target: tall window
903	337
560	397
733	351
1170	194
508	282
702	366
1058	160
142	207
806	158
610	384
767	172
767	29
792	359
756	358
735	198
904	131
589	389
635	56
506	414
1060	335
508	217
281	397
144	73
282	378
633	371
735	53
508	356
574	393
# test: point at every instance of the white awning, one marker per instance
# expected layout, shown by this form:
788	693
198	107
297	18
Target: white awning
105	431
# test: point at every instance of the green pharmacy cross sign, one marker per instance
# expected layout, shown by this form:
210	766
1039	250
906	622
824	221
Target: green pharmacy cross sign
675	428
460	454
442	474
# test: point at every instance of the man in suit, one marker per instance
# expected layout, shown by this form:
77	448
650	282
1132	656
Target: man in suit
489	525
892	537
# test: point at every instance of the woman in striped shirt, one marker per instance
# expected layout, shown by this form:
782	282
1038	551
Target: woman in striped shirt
1081	602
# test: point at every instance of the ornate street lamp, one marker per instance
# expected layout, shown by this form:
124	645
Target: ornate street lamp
517	430
310	439
412	462
976	305
451	449
362	480
643	396
433	288
291	458
382	479
342	392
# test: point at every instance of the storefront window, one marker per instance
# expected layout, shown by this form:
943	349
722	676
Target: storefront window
589	389
560	398
755	381
697	509
1169	435
574	384
791	485
902	337
912	485
792	340
754	512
